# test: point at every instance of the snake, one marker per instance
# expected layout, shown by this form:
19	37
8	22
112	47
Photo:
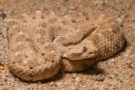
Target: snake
40	44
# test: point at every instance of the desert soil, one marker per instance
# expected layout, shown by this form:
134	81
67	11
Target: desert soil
116	73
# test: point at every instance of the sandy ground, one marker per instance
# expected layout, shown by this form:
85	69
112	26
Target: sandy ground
116	73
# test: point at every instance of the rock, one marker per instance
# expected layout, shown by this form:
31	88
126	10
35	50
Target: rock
100	78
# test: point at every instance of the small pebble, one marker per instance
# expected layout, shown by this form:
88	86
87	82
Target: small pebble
74	76
52	83
100	78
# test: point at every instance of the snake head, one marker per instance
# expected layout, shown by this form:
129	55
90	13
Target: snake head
80	53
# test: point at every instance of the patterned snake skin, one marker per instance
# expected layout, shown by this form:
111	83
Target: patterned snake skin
40	44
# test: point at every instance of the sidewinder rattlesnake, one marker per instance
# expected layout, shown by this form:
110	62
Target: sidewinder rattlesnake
40	44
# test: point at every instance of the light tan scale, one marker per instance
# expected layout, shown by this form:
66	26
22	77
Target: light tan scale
31	56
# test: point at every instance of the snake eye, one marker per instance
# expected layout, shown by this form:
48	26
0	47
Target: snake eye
84	49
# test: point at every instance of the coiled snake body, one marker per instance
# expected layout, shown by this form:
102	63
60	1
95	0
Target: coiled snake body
40	44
